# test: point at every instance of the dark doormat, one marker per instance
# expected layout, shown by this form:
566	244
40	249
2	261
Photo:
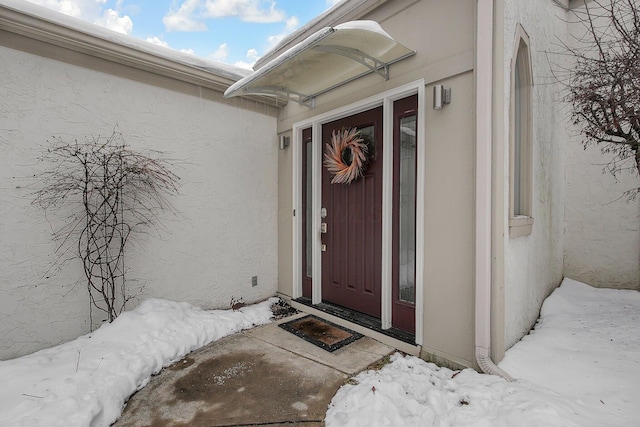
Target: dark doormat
320	332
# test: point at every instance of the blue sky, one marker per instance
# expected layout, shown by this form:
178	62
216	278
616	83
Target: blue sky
235	32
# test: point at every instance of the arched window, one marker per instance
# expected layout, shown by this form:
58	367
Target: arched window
520	182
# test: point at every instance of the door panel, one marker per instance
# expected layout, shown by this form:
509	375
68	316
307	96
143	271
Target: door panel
351	264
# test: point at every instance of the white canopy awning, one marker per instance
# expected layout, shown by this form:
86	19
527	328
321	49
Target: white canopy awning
325	60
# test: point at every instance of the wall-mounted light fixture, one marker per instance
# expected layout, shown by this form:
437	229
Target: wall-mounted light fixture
284	141
441	96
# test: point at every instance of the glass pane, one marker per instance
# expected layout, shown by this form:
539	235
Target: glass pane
309	210
517	141
367	133
407	242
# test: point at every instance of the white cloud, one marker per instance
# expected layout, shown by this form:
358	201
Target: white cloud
186	18
221	53
275	39
244	64
252	56
92	11
157	41
260	11
75	8
291	25
191	14
112	20
175	22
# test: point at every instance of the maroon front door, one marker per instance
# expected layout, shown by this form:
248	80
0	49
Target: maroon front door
352	256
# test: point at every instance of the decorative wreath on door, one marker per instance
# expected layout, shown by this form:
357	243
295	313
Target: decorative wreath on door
346	156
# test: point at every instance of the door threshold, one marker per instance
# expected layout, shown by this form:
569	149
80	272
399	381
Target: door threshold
358	318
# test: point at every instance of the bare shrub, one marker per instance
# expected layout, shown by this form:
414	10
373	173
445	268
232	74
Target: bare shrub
108	193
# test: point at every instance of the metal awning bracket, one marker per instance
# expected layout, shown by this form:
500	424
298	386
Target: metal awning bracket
373	64
284	92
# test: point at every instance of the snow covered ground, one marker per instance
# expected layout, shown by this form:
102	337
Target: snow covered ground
579	367
85	382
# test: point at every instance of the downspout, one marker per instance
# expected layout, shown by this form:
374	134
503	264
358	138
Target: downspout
484	118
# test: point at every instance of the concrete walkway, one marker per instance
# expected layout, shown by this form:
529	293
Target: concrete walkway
264	376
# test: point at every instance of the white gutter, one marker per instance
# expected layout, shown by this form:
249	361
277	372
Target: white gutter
484	137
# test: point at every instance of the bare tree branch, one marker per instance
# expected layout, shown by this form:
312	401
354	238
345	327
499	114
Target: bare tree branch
603	87
111	192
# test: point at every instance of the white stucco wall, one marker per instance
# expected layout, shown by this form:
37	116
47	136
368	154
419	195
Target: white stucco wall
226	228
602	228
533	263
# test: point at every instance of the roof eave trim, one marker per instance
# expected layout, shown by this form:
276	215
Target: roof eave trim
31	26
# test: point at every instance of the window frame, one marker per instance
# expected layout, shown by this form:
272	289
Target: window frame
521	138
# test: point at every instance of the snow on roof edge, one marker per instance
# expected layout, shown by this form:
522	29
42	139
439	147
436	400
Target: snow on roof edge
219	69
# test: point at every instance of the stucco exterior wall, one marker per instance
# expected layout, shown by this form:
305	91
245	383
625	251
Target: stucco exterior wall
224	231
602	228
533	264
449	227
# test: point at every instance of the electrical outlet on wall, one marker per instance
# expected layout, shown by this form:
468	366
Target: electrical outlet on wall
254	281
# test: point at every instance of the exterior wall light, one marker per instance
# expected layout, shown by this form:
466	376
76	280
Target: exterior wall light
284	141
441	96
